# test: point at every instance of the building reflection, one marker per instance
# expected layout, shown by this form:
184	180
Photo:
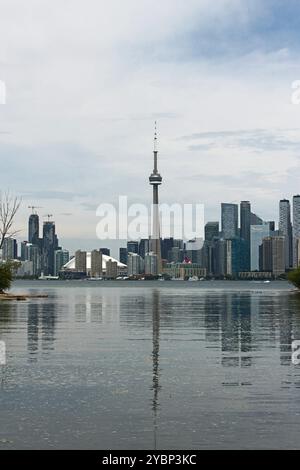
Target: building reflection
41	328
155	360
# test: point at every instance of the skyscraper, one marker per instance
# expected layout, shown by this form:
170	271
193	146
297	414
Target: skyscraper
273	255
296	229
123	255
155	180
285	229
33	229
133	246
245	213
230	215
96	263
80	261
211	231
50	244
9	249
258	233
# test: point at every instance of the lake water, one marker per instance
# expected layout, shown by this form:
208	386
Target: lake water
150	365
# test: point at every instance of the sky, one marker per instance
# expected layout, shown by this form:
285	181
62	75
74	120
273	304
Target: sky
85	81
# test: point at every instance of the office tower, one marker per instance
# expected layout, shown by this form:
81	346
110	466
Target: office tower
50	244
296	230
285	230
155	180
61	257
245	212
175	255
274	255
193	250
211	231
111	269
144	247
9	249
151	261
258	233
96	263
105	251
135	264
33	229
229	220
80	261
133	246
123	254
166	245
255	220
33	255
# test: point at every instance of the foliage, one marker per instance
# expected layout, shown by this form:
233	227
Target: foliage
7	270
294	277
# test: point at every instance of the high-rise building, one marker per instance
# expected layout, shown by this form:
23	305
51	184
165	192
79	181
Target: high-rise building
33	254
144	247
135	264
166	245
33	229
151	261
211	231
285	230
155	180
60	259
245	214
296	230
258	233
96	263
133	246
9	249
80	261
123	254
111	269
273	255
229	217
50	244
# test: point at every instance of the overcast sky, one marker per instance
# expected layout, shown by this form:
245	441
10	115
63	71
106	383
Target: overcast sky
87	78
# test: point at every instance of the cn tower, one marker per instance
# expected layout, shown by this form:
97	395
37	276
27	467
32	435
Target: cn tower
155	180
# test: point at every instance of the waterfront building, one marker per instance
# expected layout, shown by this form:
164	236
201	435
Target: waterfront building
274	255
61	257
257	234
96	263
80	261
285	230
151	261
69	270
185	270
135	264
229	215
111	269
33	254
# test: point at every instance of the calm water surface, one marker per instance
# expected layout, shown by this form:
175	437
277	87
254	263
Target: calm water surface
144	365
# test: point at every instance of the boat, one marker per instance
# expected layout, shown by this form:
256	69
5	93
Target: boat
193	278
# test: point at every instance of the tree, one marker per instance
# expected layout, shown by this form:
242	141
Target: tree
6	275
9	206
294	277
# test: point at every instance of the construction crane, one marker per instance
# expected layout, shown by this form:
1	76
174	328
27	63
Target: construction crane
49	216
33	208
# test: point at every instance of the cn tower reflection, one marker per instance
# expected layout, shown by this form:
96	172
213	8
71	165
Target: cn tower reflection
155	360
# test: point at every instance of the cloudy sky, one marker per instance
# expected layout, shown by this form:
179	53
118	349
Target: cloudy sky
86	79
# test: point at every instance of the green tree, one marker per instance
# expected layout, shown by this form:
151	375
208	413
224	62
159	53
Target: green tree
6	276
294	277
